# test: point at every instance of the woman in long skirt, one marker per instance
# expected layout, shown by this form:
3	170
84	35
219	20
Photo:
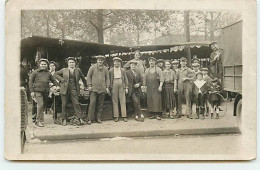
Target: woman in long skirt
169	86
153	80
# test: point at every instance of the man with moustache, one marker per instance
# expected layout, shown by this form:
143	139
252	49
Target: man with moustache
98	84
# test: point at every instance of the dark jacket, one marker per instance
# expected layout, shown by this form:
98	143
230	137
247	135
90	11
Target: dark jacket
63	76
124	78
39	81
132	80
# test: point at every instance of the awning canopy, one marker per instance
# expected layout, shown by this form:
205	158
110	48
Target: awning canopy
67	48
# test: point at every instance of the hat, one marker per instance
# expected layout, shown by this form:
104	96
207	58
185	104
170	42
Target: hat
204	69
175	61
213	44
52	62
183	59
151	58
195	60
117	58
42	59
195	64
71	58
100	57
160	60
214	80
133	62
199	73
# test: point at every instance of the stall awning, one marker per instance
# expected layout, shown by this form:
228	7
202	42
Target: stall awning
67	47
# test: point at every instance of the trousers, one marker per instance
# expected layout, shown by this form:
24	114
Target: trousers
41	99
72	94
184	88
96	105
136	103
118	97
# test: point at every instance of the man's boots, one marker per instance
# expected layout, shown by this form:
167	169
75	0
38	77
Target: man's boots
203	113
197	113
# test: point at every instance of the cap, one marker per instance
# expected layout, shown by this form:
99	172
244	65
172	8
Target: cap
195	60
42	59
133	62
175	61
100	57
204	69
117	58
71	58
183	59
199	73
214	80
53	62
160	60
195	64
151	58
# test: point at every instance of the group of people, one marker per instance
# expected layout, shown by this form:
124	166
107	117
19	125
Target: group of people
164	83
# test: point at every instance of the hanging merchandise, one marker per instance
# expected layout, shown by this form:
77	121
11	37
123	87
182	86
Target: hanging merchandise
181	48
174	49
192	46
198	46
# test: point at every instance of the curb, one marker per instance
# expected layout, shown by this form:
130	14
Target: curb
201	131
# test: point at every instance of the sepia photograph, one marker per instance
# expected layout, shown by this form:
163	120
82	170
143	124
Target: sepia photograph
131	84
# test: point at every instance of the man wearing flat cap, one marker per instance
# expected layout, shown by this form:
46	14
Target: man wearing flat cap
216	70
98	84
69	88
39	87
160	63
134	90
185	77
119	88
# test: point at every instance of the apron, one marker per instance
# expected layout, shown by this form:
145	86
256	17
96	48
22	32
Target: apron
154	100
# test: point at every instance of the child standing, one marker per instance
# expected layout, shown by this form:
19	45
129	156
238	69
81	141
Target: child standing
214	97
200	89
208	80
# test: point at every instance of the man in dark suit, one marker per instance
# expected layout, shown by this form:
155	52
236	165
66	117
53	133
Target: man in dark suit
69	87
134	89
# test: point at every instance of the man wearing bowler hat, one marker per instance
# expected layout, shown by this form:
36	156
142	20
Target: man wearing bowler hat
98	84
69	88
39	87
119	88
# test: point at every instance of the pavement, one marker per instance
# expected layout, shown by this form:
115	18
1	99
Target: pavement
227	124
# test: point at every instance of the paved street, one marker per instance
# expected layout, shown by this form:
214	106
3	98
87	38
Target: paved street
212	144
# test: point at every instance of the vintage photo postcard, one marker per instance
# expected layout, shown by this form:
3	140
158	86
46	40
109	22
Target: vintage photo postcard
130	80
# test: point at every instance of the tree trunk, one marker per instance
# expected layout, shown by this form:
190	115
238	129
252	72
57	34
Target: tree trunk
205	28
100	30
211	31
47	26
187	36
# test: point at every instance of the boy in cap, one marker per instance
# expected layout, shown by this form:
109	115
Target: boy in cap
98	85
70	88
119	87
200	89
140	63
39	87
185	76
214	97
134	90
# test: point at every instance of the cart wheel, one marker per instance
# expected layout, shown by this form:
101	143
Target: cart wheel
239	115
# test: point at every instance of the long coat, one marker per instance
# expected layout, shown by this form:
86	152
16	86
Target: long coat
63	76
132	80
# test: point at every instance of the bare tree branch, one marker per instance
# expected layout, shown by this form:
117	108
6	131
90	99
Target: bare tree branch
93	24
109	26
